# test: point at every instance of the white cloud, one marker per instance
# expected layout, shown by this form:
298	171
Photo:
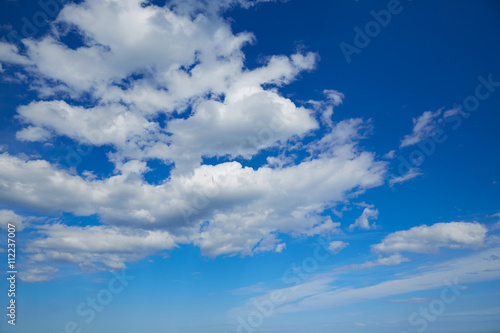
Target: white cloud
363	221
90	267
423	128
33	133
122	38
391	260
9	217
452	112
390	155
337	246
38	274
428	239
343	135
412	173
280	247
335	96
9	53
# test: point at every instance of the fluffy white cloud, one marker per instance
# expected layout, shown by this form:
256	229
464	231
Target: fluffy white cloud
122	38
363	221
428	239
239	203
9	53
132	79
337	246
138	63
9	217
423	128
249	119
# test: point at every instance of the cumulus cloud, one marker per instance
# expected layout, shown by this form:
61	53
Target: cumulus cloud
244	207
198	66
10	217
363	222
337	246
9	54
428	239
33	134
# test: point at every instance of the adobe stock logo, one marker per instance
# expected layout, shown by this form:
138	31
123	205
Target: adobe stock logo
40	19
372	29
420	319
88	310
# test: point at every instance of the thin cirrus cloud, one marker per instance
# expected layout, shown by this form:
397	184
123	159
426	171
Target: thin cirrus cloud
412	173
320	291
469	269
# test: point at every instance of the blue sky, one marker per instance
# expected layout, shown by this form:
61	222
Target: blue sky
251	166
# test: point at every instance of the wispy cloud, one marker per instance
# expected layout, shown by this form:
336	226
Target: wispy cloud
321	291
423	128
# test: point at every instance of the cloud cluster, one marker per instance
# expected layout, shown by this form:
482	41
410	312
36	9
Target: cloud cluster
337	246
169	83
243	207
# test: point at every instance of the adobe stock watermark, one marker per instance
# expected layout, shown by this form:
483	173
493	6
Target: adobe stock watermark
264	137
420	319
88	310
363	37
425	148
40	19
295	275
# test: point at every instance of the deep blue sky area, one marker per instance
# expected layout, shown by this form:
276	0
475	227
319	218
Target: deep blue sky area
124	164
